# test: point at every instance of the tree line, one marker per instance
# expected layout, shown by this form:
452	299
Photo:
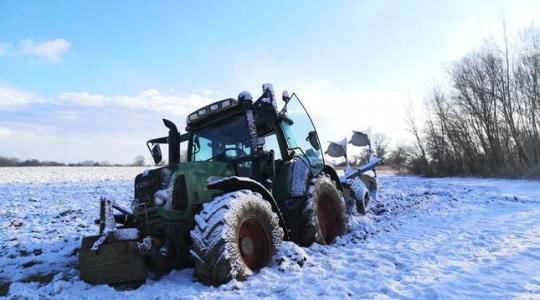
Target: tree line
15	162
484	121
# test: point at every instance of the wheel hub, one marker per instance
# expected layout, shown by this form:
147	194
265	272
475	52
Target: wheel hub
246	246
255	244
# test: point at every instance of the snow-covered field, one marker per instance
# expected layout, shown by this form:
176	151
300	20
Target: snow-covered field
424	238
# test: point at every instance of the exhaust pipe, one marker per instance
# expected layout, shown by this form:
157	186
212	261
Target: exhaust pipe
174	142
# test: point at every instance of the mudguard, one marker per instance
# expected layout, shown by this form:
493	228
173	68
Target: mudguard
333	174
235	183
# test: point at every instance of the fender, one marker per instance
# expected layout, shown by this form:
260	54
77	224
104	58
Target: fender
235	183
333	174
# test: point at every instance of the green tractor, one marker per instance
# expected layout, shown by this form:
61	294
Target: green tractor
253	176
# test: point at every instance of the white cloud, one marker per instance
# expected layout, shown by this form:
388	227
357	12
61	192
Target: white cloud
10	98
4	47
336	112
471	32
84	98
48	51
4	132
173	103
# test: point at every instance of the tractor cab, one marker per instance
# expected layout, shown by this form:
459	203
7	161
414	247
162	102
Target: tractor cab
253	136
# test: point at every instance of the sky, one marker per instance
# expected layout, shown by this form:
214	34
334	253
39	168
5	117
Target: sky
91	80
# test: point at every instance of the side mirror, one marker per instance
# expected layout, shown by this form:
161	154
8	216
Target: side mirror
313	140
156	153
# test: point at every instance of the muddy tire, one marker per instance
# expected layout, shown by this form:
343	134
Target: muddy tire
362	204
372	186
324	216
234	236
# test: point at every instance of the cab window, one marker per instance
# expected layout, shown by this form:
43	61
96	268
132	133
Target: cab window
300	133
271	143
222	141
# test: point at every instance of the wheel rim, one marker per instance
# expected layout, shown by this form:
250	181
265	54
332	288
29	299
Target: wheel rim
328	221
254	244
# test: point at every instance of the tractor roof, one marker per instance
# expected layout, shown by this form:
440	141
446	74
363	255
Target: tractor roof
211	109
264	110
215	111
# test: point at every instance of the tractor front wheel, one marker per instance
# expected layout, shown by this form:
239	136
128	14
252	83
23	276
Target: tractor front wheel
324	216
234	235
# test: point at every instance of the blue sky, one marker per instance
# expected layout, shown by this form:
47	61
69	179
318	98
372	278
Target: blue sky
91	80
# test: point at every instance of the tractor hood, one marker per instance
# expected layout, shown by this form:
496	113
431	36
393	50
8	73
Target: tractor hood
172	192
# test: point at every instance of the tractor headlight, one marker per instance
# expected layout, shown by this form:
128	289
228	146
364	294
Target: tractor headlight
202	112
226	103
158	201
161	196
214	107
193	116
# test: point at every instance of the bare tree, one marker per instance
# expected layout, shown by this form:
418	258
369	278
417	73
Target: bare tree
413	128
487	121
139	161
379	144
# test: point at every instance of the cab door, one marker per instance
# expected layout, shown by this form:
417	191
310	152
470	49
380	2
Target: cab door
300	135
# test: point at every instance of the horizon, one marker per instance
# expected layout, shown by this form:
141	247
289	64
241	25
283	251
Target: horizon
85	83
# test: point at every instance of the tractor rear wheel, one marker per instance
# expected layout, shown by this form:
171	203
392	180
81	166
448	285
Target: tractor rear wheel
324	216
234	235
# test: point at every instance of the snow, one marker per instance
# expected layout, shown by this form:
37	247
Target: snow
458	238
245	95
285	95
269	87
299	175
126	234
358	187
252	130
342	143
272	99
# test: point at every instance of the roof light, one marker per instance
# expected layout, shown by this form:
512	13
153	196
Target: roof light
193	116
214	107
226	103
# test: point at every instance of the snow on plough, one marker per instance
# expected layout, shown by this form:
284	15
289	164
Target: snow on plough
359	188
253	176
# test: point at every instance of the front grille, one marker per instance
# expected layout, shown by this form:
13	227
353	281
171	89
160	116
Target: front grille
145	187
179	196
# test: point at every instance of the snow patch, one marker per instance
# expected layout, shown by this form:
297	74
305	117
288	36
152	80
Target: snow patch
272	99
290	257
462	238
126	234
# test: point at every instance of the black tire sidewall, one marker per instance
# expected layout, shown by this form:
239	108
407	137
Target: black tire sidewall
311	230
212	267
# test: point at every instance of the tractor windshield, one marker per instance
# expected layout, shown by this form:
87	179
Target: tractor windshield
300	133
222	141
